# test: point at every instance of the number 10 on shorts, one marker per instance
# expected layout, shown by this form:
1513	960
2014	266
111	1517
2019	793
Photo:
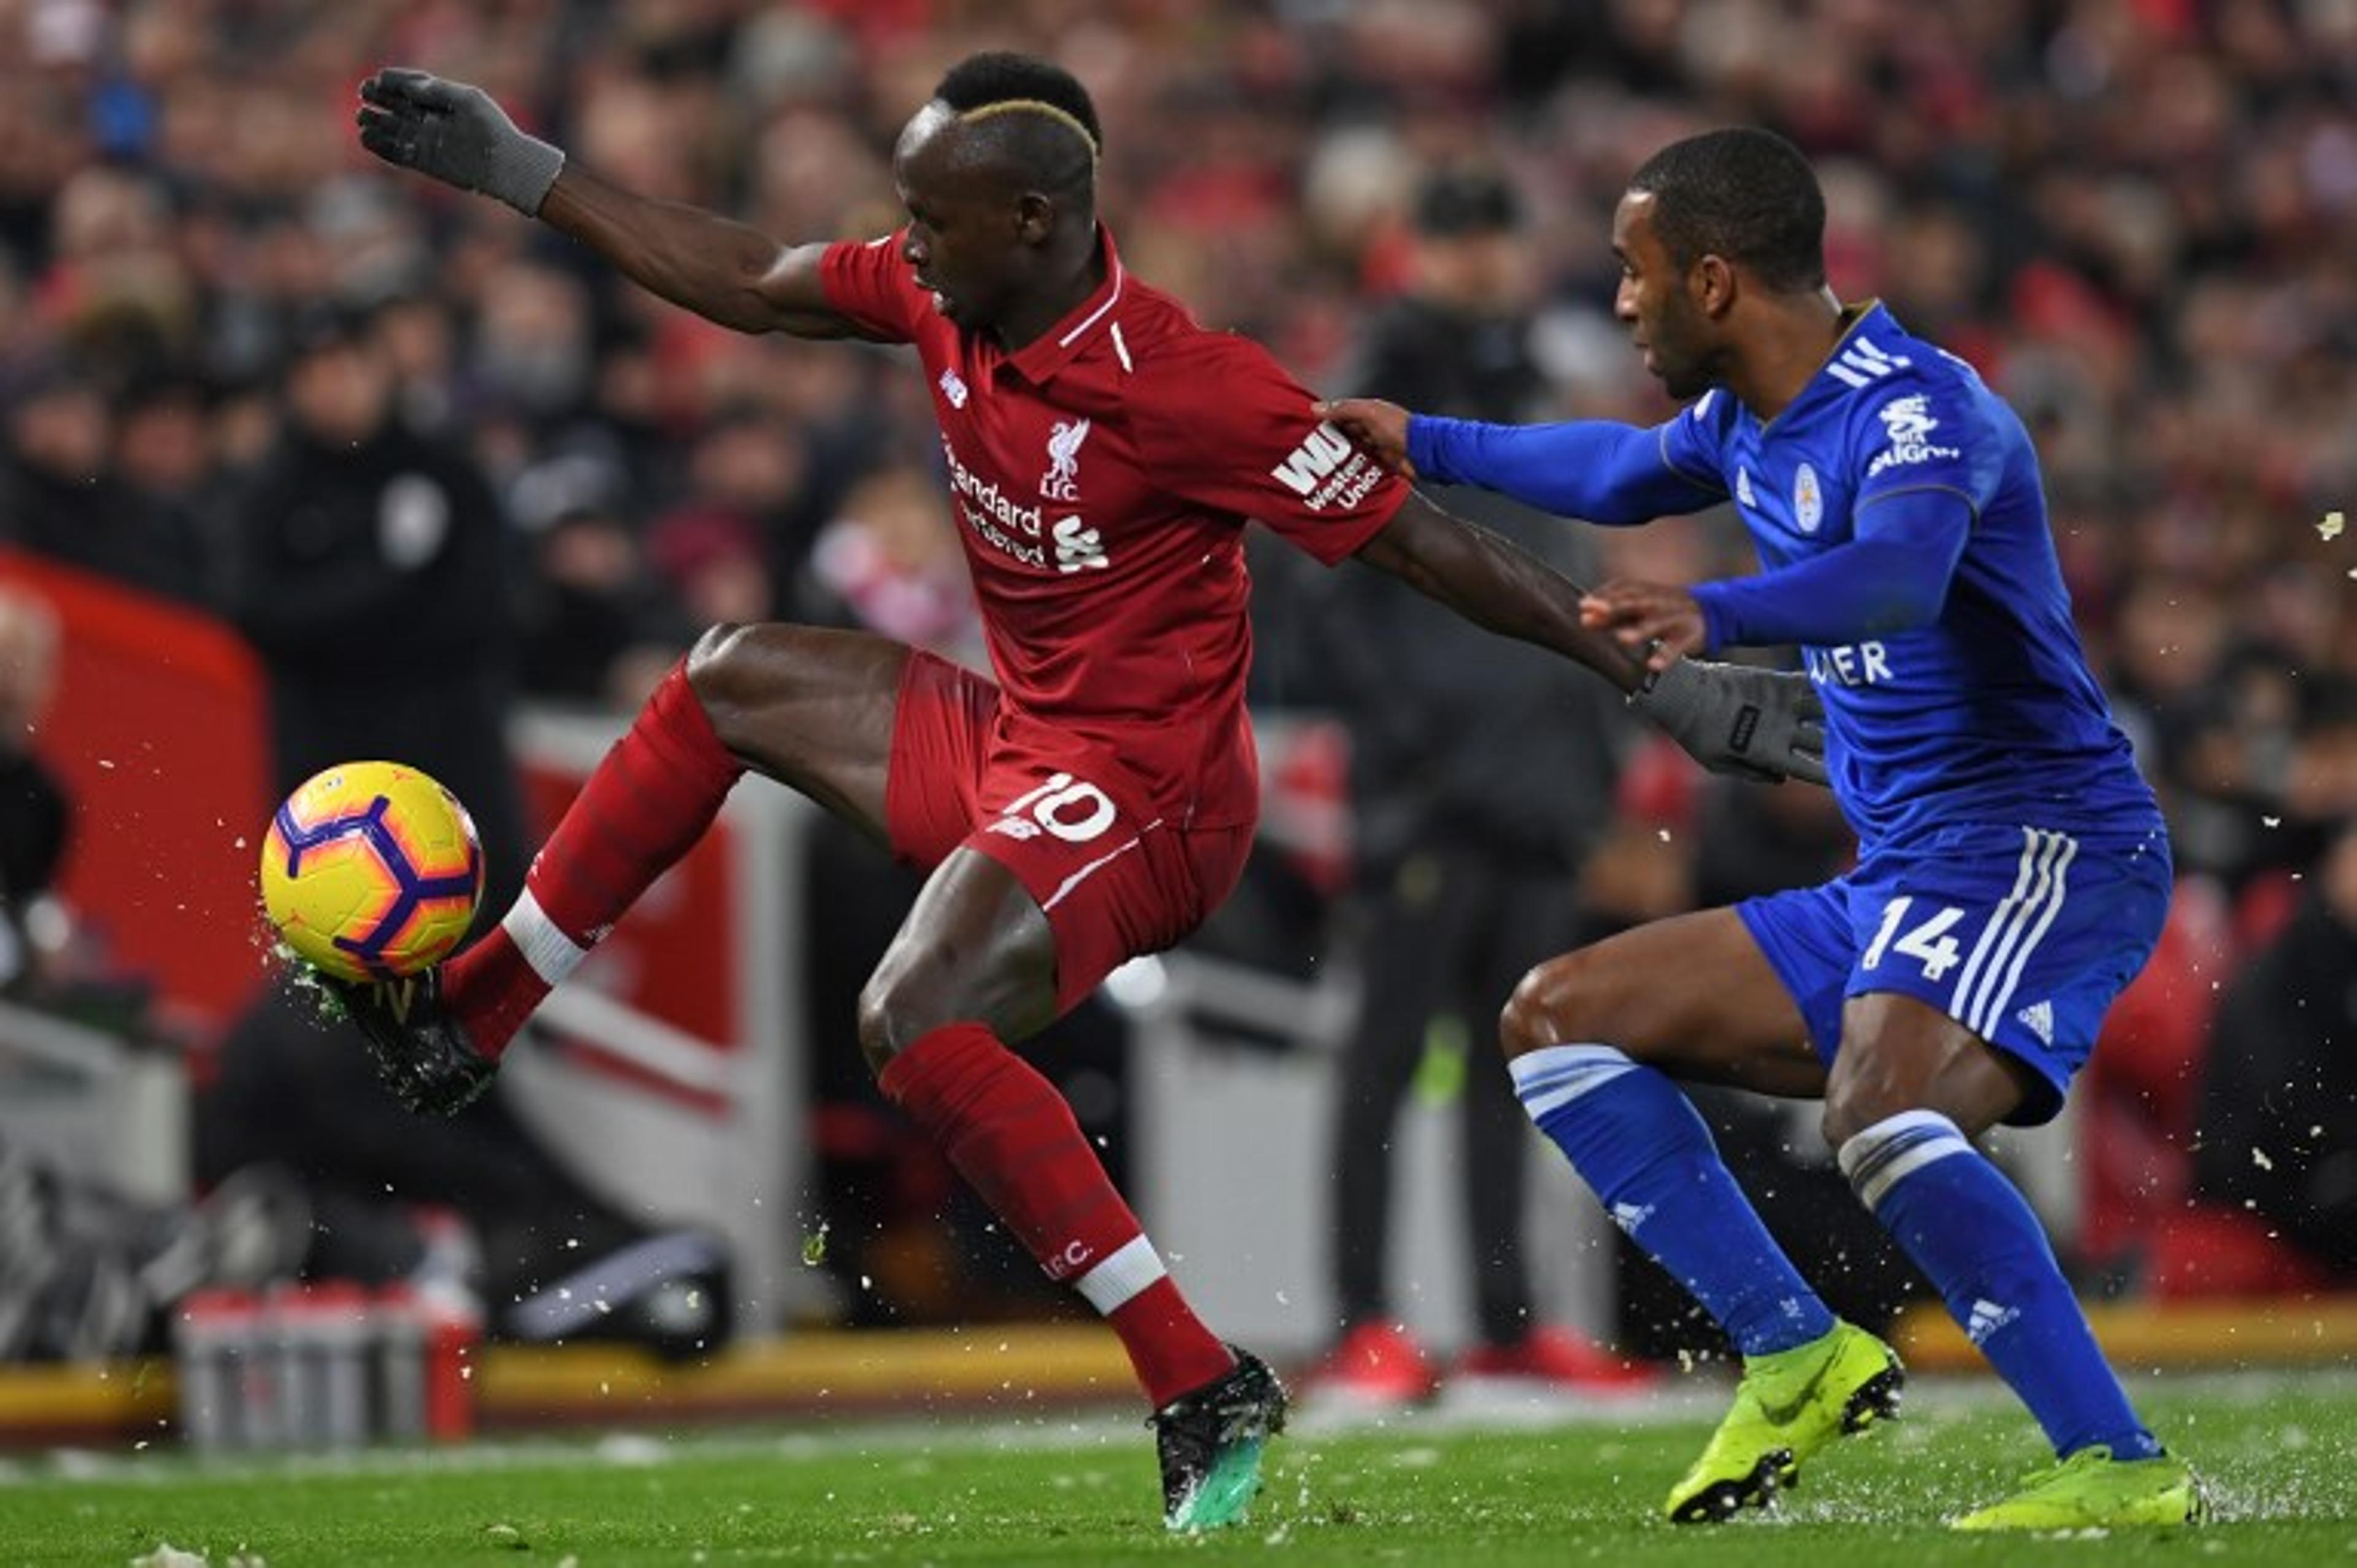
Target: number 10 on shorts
1072	809
1928	942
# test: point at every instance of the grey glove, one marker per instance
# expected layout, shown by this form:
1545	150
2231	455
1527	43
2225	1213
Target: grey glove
1734	718
454	133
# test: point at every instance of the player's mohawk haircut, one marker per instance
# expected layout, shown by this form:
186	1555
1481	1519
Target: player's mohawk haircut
1002	84
1745	194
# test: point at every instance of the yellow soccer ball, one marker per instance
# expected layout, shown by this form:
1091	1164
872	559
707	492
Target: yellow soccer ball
371	871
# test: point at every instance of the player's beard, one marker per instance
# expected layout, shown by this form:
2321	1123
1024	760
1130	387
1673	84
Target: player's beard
1684	380
1685	367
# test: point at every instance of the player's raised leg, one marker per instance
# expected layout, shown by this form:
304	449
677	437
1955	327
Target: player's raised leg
809	707
1592	1039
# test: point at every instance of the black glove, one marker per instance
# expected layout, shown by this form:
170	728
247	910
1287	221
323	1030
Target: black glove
420	1051
1766	725
457	135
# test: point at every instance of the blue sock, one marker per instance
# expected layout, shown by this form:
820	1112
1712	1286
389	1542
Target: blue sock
1976	1238
1640	1147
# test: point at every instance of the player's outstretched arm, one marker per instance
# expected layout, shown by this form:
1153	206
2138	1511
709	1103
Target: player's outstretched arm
1495	584
1893	577
1590	468
1757	723
722	270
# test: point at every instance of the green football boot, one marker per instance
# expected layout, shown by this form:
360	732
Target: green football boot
2092	1490
1209	1443
1788	1405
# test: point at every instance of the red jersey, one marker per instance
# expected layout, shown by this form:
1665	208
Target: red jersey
1102	477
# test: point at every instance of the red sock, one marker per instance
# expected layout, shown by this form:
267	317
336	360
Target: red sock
645	806
1012	1136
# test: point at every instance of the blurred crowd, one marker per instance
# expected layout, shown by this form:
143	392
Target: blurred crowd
2134	217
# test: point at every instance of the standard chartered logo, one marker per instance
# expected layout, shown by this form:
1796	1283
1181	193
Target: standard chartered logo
1020	531
1079	547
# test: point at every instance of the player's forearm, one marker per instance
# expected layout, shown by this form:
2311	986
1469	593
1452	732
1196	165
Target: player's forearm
1500	587
1894	578
723	270
1590	468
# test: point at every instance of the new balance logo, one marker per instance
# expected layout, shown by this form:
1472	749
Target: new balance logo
1861	362
1986	1318
1743	487
1312	460
2039	1019
953	388
1628	1216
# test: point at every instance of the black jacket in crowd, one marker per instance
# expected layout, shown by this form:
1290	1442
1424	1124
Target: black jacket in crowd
2278	1118
373	580
1459	736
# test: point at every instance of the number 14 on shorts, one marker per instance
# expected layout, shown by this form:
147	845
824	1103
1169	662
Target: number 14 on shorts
1072	809
1928	942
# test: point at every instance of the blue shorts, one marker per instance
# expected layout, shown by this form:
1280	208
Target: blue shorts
2023	934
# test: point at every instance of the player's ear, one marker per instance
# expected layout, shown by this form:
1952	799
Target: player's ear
1035	217
1713	282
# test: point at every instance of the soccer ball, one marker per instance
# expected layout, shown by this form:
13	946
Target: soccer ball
371	871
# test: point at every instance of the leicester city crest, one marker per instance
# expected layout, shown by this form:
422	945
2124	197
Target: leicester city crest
1808	499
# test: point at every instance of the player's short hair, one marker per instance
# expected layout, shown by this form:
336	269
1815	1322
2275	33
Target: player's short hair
1036	113
1745	194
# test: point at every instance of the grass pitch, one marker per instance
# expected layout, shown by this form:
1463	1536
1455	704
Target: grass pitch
2279	1451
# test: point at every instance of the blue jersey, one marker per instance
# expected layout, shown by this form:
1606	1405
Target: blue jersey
2014	870
1989	713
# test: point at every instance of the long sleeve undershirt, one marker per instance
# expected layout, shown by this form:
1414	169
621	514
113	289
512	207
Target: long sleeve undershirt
1892	576
1593	469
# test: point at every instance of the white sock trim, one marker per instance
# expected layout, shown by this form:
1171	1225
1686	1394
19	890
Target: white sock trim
550	954
1548	1079
1132	1268
1897	1146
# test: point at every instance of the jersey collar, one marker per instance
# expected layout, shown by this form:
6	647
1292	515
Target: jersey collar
1040	358
1854	318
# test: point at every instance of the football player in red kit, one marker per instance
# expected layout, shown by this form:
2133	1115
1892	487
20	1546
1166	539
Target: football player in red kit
1095	802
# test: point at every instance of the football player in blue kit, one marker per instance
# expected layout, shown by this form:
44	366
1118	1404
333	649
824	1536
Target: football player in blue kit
2013	868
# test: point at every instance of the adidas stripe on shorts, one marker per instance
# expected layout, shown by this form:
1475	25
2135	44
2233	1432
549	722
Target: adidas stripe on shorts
2024	935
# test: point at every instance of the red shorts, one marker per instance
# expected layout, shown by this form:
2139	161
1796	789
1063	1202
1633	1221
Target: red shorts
1073	825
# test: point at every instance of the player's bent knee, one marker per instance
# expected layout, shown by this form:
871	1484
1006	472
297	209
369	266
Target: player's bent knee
745	675
1553	1003
1853	1104
714	651
884	1030
1839	1125
896	1009
716	672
